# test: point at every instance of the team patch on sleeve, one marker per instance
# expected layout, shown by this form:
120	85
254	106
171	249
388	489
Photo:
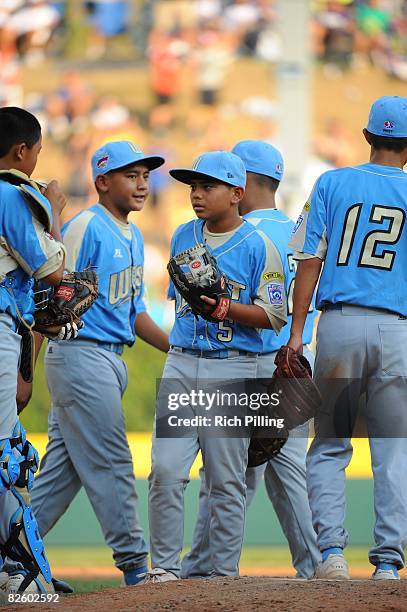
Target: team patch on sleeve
298	224
273	275
275	293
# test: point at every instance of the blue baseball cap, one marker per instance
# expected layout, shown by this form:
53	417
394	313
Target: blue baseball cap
220	165
260	157
121	153
388	117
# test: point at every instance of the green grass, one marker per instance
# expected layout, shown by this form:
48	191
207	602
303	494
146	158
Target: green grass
252	556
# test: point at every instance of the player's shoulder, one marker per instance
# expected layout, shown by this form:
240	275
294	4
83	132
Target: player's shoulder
275	223
137	233
190	228
10	192
256	240
336	175
81	221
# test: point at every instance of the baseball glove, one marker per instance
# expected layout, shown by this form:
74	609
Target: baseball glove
300	399
195	272
70	300
262	450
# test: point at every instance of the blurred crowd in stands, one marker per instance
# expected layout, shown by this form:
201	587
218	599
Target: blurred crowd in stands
208	34
188	49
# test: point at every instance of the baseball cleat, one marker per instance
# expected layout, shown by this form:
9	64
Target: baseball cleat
61	586
3	579
134	577
385	573
14	584
334	567
160	575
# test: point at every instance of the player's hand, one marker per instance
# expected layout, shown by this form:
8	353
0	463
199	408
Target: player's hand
24	392
295	342
70	331
208	300
55	196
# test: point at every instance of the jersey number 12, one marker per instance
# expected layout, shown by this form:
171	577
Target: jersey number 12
368	255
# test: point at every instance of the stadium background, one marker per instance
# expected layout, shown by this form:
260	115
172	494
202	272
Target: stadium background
180	77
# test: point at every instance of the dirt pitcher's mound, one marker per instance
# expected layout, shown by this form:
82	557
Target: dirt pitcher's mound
247	594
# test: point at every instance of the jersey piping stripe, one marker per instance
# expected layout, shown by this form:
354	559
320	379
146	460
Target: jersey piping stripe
396	176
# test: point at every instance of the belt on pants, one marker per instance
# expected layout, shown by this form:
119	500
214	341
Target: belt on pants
113	347
340	305
220	354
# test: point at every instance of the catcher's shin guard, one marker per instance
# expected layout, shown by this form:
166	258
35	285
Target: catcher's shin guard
19	462
9	466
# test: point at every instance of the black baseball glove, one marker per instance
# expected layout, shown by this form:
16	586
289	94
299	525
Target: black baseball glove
262	450
69	301
195	272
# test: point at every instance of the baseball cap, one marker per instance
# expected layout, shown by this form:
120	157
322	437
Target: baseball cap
388	117
121	153
221	165
260	157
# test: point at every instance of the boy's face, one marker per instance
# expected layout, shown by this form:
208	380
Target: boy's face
127	189
212	200
28	157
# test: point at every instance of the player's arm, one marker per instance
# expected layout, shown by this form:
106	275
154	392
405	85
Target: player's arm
148	331
25	389
74	236
268	285
306	279
309	242
58	202
246	314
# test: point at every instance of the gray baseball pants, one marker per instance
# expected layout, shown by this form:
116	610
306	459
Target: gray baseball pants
285	481
361	351
225	460
88	447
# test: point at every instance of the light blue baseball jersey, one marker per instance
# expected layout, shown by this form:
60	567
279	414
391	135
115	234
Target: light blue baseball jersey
25	250
278	227
93	238
355	222
246	259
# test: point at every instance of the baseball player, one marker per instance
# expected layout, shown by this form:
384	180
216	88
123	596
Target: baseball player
30	248
87	378
202	351
284	475
355	223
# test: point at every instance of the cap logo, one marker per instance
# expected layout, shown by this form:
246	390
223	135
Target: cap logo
102	162
230	175
279	168
196	162
134	148
388	125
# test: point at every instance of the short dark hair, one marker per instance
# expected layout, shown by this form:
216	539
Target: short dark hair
17	126
389	143
266	181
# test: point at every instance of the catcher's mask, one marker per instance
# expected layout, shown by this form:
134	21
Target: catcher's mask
42	297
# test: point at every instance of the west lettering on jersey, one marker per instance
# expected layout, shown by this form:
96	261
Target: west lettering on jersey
125	284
